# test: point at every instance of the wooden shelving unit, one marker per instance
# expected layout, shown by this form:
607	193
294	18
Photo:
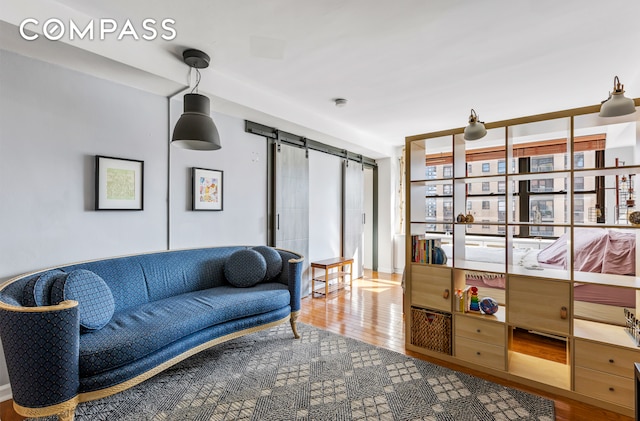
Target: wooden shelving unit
530	182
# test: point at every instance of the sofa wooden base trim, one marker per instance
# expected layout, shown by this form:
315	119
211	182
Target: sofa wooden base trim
294	326
64	410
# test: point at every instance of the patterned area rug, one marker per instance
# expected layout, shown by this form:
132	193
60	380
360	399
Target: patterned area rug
323	376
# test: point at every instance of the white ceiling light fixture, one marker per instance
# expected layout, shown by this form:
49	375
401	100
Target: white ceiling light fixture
475	130
340	102
617	104
195	129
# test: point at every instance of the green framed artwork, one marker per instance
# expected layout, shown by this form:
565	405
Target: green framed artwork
119	183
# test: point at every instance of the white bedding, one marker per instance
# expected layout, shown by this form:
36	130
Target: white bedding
526	257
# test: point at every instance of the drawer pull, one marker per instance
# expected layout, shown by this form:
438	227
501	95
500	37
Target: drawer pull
477	330
611	389
445	294
477	352
611	360
563	312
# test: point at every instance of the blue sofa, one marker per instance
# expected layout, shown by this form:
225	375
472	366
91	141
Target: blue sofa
84	331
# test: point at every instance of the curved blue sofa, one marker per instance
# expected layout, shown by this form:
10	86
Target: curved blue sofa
164	307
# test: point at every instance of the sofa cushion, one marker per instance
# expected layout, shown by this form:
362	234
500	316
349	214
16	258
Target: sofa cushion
138	332
245	268
273	259
95	301
37	291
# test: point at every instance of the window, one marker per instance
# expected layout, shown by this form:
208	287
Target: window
468	168
485	167
502	186
484	226
502	167
541	210
431	191
486	204
448	210
447	171
545	185
542	164
431	209
430	172
578	211
578	184
485	186
469	205
502	213
447	189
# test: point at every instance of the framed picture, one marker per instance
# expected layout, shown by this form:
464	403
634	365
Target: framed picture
207	189
119	183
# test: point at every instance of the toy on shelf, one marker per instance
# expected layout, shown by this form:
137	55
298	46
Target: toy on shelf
488	305
474	303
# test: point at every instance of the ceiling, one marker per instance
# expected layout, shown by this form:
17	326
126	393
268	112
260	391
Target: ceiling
406	67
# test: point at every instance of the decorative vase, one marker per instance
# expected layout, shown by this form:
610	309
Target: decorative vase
461	218
469	218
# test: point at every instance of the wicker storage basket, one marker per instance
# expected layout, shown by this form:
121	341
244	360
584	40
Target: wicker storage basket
431	329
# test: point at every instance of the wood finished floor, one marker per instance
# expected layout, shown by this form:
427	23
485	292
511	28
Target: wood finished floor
372	313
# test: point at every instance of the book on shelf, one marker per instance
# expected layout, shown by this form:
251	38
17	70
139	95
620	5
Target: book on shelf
463	299
422	248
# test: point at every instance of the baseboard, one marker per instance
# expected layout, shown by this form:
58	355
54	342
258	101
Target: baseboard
5	392
385	270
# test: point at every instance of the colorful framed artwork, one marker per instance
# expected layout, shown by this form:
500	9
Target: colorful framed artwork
207	189
119	183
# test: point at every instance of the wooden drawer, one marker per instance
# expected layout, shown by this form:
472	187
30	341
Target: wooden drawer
607	387
431	287
481	330
480	353
606	358
539	304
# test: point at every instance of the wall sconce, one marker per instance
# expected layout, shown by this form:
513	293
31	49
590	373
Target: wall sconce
195	128
475	130
617	104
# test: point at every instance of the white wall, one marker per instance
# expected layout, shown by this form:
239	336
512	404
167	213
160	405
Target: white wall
243	160
386	205
325	205
368	220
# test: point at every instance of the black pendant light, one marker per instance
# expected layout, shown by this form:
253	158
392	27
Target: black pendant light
195	128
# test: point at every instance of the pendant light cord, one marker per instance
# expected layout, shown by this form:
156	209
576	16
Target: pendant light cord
198	77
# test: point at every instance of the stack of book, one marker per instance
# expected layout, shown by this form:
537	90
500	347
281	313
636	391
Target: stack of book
422	248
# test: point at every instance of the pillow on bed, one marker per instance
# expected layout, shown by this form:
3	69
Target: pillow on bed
95	301
245	268
37	291
273	259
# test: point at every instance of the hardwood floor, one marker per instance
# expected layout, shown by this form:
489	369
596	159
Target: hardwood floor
372	313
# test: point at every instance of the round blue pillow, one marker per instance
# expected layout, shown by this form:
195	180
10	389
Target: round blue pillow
37	291
245	268
95	301
273	259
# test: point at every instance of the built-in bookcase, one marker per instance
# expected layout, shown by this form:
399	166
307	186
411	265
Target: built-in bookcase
521	215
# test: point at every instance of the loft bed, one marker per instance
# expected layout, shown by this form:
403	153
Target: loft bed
595	251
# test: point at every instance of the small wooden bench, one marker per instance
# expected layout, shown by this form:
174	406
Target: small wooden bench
339	275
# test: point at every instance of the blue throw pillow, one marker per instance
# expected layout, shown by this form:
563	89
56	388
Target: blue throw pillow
245	268
273	259
37	291
95	301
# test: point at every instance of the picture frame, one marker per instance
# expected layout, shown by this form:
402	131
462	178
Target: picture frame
208	189
119	184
